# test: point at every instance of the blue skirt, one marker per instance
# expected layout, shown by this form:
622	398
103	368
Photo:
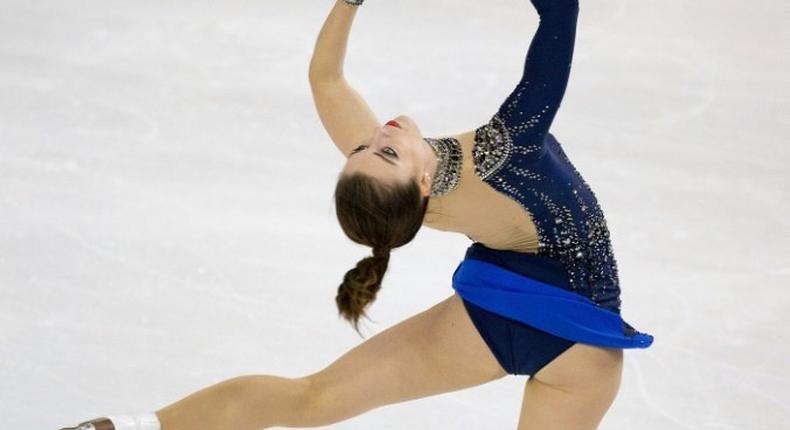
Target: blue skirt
521	294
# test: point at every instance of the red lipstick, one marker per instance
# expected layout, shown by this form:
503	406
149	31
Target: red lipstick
393	123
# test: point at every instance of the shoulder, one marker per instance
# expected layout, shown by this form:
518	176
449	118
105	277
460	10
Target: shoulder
495	146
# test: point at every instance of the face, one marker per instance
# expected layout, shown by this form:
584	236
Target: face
395	154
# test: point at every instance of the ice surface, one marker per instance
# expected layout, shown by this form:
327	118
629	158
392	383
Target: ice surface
166	219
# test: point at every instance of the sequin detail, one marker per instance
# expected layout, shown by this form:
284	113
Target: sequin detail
448	169
570	224
493	148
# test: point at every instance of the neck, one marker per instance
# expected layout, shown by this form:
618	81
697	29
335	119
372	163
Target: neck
433	159
446	164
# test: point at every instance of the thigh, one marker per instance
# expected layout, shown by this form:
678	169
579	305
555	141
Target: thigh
436	351
574	391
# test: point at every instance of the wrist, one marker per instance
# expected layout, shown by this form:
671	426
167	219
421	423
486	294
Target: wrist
142	421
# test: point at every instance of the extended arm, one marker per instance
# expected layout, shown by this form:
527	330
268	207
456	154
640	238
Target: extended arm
343	112
530	109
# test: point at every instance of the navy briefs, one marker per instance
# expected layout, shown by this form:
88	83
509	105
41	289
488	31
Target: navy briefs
518	347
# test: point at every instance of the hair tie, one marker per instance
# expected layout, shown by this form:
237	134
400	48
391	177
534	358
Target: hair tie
380	252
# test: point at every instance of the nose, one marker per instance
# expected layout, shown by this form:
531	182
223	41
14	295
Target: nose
383	131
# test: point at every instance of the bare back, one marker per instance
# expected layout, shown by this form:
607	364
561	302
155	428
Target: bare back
480	212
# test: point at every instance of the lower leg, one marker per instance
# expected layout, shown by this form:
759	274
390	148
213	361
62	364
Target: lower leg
250	402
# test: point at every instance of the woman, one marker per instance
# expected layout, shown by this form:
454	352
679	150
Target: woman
537	293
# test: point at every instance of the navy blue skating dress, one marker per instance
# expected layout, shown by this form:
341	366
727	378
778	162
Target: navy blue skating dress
529	308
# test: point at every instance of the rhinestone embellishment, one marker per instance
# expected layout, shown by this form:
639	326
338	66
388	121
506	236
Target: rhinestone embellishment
492	149
448	170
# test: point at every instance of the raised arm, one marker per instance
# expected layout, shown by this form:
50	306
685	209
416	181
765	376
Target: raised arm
343	112
529	110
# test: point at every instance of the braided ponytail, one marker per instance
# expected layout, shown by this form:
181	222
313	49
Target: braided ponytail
382	216
360	286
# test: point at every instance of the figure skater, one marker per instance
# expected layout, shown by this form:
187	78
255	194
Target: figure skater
536	294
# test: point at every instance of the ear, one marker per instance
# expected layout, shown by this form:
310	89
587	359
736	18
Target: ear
425	184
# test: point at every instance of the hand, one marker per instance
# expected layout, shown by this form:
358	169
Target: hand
95	424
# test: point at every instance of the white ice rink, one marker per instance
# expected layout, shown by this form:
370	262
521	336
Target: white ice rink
166	214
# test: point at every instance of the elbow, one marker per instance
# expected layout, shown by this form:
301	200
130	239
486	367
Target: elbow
323	81
313	72
318	73
318	77
314	77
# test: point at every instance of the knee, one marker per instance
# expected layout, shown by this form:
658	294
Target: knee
268	400
327	401
318	405
313	396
